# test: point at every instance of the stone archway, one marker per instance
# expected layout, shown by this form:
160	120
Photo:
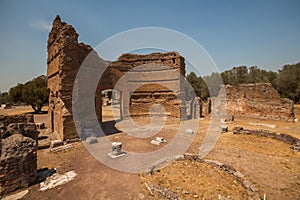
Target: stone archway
65	56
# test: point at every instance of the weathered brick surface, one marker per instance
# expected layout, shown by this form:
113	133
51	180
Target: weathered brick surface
259	100
65	56
151	79
24	118
18	159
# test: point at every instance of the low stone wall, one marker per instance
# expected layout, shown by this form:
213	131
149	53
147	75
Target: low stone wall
18	160
25	129
252	191
24	118
294	142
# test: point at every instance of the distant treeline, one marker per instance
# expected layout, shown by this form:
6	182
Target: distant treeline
286	81
33	92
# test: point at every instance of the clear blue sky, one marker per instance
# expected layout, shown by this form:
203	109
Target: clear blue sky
261	33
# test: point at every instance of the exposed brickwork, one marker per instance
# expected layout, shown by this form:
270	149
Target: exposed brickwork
24	118
159	76
18	160
259	100
65	55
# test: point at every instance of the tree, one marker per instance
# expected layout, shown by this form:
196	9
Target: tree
213	82
198	84
288	82
194	82
235	76
15	93
4	97
35	93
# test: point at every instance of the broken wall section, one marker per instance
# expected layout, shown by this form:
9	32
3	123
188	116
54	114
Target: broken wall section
65	56
259	100
18	156
160	77
24	118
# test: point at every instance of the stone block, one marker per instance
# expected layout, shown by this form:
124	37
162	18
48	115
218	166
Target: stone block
56	143
116	150
91	140
158	141
224	128
18	163
189	131
40	125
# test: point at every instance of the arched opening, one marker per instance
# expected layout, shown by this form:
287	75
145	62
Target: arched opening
111	105
108	101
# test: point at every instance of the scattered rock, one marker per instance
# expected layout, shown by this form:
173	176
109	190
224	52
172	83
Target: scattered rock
42	174
61	148
91	140
68	141
189	131
40	125
185	192
295	147
56	143
158	141
18	195
56	180
224	128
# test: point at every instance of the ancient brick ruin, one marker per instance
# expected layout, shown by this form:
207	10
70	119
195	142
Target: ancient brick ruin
18	160
259	100
65	56
160	82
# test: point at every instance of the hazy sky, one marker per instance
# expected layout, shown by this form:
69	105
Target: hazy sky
261	33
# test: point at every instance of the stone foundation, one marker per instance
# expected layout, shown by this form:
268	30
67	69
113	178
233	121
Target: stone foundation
265	133
8	119
18	161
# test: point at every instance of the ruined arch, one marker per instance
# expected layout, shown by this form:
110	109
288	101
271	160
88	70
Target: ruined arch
65	56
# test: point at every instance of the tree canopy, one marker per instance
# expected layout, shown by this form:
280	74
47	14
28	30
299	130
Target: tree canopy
34	93
286	80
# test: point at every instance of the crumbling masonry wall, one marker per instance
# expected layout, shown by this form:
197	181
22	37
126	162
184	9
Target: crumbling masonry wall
155	78
8	119
18	158
65	56
259	100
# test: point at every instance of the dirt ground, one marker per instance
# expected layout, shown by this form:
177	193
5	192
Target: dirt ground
267	163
